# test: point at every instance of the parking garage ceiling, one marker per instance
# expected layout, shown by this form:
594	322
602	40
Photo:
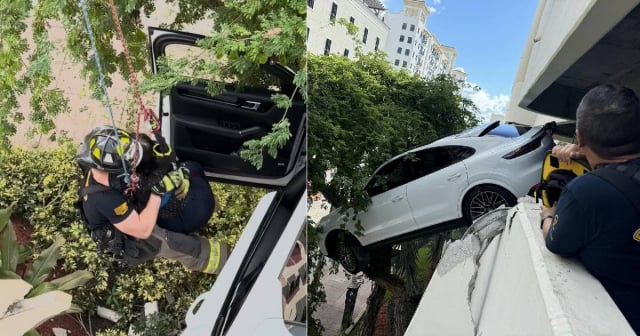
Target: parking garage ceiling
615	59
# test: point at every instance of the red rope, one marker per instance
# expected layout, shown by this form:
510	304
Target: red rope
144	111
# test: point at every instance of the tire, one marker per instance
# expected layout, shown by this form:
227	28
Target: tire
350	254
483	199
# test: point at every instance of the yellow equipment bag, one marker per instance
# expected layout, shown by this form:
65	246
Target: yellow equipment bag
555	176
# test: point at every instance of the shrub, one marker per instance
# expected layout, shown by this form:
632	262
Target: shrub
44	185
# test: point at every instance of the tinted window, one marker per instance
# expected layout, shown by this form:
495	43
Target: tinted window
414	166
509	131
431	160
388	177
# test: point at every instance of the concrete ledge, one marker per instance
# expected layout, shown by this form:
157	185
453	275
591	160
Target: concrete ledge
499	279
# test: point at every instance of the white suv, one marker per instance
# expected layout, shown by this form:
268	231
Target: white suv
439	186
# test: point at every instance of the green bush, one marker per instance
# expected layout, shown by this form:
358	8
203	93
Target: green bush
43	184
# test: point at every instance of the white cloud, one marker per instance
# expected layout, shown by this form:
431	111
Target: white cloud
437	2
433	10
487	103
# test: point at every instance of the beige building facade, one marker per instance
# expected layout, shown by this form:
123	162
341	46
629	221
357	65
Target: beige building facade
326	36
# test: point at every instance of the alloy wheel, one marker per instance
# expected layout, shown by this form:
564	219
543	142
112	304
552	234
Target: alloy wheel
346	256
485	201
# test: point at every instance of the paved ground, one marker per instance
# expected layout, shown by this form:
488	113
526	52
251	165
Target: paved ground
335	286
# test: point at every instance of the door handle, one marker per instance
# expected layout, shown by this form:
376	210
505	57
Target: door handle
454	177
397	198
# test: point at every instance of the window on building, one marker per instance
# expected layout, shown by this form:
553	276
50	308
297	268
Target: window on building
327	47
364	35
307	33
399	50
404	64
397	62
334	11
352	20
377	44
404	26
346	52
412	28
310	3
401	38
409	39
406	52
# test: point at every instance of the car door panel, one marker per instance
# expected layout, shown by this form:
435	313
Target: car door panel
433	198
212	129
439	178
388	215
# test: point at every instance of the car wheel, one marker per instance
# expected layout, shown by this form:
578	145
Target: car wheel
483	199
349	254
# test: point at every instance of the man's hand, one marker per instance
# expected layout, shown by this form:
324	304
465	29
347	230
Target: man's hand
567	152
167	184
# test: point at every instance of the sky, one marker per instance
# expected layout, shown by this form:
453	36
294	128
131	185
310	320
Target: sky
489	35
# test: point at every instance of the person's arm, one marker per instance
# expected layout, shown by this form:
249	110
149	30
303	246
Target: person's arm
546	215
567	152
140	225
567	231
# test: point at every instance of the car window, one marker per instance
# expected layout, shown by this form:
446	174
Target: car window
388	177
509	131
196	69
431	160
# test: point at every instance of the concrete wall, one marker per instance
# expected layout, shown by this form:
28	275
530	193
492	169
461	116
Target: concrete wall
561	32
321	29
501	280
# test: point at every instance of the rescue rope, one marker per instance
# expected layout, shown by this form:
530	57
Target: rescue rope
102	84
143	111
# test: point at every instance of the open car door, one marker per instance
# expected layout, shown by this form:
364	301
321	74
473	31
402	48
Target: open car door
211	129
247	296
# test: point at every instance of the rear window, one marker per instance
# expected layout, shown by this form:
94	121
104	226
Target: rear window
509	131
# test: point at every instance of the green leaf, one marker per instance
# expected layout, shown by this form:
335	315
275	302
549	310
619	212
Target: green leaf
6	274
5	216
41	289
9	249
45	263
73	280
24	252
32	332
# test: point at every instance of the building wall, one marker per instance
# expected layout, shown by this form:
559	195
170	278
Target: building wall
424	55
404	45
320	29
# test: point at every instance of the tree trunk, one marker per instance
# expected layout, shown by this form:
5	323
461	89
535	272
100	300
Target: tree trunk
373	306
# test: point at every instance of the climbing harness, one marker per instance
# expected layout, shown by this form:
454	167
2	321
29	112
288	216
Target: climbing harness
132	179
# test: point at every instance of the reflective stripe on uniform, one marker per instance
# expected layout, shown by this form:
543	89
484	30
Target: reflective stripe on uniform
214	257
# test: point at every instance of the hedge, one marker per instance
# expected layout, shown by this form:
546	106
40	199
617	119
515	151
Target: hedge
44	184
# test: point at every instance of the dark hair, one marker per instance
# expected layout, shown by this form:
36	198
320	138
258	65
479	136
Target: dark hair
608	118
147	163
